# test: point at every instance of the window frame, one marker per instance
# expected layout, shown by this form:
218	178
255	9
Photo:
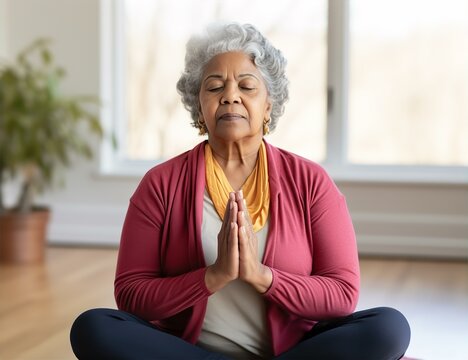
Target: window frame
113	162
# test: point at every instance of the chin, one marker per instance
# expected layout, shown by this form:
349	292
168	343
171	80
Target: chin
231	134
232	137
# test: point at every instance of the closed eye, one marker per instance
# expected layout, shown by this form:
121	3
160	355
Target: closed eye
215	89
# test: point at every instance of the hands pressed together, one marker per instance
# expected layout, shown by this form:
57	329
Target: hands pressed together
237	250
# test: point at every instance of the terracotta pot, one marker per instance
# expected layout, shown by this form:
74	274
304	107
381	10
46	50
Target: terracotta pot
23	236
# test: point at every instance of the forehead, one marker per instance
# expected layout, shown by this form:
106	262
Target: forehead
230	63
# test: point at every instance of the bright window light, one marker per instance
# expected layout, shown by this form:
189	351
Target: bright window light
408	82
156	124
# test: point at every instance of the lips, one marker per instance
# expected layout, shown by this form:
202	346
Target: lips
230	116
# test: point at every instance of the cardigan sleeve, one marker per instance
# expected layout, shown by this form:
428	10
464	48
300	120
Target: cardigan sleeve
331	290
140	285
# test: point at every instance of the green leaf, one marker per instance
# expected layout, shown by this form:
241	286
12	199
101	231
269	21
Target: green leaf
46	56
38	124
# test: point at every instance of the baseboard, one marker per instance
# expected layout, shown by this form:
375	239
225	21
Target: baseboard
416	235
86	225
377	234
420	247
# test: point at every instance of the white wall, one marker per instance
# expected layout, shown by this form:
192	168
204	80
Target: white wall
411	219
3	28
90	207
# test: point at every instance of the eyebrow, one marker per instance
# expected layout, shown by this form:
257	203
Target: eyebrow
217	76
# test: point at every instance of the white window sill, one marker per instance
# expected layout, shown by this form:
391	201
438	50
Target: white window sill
437	175
442	175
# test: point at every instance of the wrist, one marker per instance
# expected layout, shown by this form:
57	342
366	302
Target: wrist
215	281
263	280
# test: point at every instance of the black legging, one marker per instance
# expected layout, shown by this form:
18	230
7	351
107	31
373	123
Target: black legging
374	334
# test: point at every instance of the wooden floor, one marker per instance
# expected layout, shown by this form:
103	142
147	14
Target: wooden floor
39	303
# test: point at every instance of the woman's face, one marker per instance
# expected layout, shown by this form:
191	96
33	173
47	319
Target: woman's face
234	100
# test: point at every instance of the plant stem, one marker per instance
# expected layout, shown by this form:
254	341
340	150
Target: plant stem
2	205
25	200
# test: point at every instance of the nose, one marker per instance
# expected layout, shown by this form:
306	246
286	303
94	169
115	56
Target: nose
230	94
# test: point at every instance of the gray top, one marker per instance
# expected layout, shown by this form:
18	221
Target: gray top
235	321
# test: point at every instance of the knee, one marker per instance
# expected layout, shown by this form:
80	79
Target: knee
392	319
85	329
88	320
390	327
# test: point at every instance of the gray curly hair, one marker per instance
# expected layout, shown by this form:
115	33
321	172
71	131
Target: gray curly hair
220	39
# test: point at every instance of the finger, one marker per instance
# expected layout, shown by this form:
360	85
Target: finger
240	200
234	207
248	230
241	220
249	221
234	210
232	218
248	248
242	206
234	232
241	241
242	236
227	213
234	239
224	240
245	248
246	220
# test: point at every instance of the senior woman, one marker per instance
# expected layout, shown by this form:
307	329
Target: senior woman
237	249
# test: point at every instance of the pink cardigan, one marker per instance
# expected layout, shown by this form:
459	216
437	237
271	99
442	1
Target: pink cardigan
310	248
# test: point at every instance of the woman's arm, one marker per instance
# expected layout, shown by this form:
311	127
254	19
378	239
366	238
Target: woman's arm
332	288
139	286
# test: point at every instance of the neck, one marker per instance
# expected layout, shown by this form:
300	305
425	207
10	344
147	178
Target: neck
237	159
236	154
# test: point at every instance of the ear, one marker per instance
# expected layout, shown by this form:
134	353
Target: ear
268	109
201	118
200	113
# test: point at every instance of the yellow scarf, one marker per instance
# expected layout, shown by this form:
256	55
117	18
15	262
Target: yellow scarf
256	189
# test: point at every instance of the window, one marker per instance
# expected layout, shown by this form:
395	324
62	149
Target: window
395	72
408	82
156	124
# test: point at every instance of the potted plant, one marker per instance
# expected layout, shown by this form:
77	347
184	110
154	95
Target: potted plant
40	130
